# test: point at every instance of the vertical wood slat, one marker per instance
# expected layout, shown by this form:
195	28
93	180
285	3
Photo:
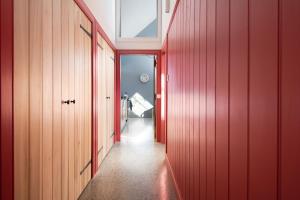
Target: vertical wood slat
35	105
263	91
238	144
222	99
203	100
211	98
71	91
196	114
289	73
65	96
101	99
78	84
21	99
248	106
88	97
191	97
47	95
57	97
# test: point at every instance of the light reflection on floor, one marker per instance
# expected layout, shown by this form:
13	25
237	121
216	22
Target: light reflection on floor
135	169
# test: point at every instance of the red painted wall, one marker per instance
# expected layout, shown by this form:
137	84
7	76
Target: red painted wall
6	101
234	99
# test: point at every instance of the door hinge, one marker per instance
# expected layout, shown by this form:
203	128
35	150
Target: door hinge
86	31
85	167
155	62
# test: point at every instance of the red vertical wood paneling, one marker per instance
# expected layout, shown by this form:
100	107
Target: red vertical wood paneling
238	165
210	96
233	107
196	105
203	68
185	108
6	101
179	20
191	20
222	98
263	55
290	100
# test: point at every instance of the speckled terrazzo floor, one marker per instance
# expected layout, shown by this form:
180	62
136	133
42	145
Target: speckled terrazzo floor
135	169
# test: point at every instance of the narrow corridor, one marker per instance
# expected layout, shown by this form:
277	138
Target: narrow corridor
135	169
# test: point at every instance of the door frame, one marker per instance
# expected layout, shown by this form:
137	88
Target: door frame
6	106
120	53
164	72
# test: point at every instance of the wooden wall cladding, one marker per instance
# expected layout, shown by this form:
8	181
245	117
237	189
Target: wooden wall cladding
233	99
52	141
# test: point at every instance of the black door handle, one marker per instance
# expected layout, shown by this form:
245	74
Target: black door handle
65	102
107	97
72	101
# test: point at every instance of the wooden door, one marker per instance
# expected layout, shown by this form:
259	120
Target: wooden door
110	64
101	74
52	66
82	100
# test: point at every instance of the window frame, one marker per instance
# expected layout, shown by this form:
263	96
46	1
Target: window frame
138	39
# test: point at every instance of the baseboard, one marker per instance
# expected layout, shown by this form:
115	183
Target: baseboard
173	178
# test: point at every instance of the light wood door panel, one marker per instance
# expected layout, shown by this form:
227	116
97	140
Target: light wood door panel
102	125
21	100
52	64
71	107
35	104
110	94
47	93
65	96
78	98
57	97
83	100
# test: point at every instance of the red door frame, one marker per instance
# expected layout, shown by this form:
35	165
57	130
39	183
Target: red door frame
118	90
6	81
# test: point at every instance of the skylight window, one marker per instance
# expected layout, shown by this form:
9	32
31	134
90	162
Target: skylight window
138	19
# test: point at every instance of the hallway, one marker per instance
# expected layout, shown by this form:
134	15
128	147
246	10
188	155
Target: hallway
135	168
220	79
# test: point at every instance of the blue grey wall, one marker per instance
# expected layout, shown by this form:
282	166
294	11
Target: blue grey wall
132	66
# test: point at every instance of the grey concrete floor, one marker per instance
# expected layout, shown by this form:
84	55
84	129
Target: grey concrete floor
135	169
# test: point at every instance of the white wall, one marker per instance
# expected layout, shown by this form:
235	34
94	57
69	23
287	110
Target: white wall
166	17
105	12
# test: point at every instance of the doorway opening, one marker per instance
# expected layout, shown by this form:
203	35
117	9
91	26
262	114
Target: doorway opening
138	94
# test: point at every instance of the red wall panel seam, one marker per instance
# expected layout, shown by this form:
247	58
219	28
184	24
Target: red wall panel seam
248	106
229	94
279	107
